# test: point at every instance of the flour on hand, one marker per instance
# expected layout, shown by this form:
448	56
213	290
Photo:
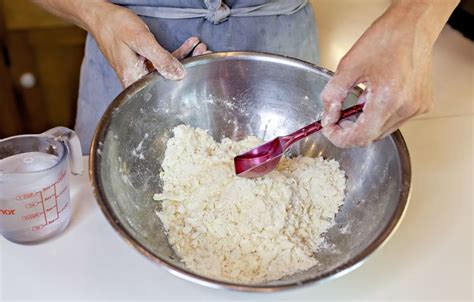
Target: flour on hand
244	230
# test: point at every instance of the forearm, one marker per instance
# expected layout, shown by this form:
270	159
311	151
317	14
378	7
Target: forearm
83	13
425	17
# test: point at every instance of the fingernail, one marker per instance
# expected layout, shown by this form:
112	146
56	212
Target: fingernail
199	49
180	71
174	72
194	41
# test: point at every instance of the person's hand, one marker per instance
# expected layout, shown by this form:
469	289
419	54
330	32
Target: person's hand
132	50
393	60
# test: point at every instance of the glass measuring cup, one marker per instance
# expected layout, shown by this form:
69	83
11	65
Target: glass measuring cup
34	184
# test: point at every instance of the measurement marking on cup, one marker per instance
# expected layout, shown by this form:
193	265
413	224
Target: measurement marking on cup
50	208
45	202
37	227
42	204
52	221
63	208
32	204
56	202
26	196
46	198
62	191
32	216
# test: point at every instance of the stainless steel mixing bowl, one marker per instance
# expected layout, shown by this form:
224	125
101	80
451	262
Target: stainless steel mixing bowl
235	95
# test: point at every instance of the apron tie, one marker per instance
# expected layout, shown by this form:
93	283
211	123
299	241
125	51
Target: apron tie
217	11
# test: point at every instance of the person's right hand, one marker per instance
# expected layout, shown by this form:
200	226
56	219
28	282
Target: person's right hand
127	44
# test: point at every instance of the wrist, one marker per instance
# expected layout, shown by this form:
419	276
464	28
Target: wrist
85	14
91	13
426	18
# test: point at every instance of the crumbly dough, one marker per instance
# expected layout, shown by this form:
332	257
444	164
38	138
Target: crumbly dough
238	229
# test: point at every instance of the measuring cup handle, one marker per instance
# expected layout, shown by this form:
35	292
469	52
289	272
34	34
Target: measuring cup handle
73	144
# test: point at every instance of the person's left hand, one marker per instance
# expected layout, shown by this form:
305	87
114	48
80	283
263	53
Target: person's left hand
395	67
128	44
191	47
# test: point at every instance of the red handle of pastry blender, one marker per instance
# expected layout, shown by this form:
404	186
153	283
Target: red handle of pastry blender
316	126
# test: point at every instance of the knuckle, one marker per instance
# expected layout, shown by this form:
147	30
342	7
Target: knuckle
189	44
325	97
192	41
142	40
142	34
119	14
332	92
343	63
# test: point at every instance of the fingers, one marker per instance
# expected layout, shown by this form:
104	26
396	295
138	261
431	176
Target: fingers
191	45
200	49
348	133
164	62
333	96
368	126
339	134
167	64
186	48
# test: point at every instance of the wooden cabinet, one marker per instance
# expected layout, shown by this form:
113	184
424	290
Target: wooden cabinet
39	69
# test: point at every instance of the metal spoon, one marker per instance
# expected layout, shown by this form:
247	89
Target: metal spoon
264	158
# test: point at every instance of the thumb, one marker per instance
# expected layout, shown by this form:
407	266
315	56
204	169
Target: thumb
333	96
164	62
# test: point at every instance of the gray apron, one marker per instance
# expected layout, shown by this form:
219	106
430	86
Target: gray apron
285	27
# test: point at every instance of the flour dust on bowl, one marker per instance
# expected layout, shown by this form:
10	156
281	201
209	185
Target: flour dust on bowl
235	95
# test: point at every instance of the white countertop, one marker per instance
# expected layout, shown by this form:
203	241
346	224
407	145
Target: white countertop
429	257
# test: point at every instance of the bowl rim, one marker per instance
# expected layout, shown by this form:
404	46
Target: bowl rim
342	269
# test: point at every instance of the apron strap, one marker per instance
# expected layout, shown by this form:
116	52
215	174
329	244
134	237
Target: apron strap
217	11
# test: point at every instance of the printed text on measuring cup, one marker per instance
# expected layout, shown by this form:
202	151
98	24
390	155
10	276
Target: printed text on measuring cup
46	204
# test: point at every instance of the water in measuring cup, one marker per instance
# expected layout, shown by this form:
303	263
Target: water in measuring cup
27	162
40	200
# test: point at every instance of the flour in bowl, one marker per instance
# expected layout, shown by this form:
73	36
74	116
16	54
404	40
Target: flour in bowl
244	230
